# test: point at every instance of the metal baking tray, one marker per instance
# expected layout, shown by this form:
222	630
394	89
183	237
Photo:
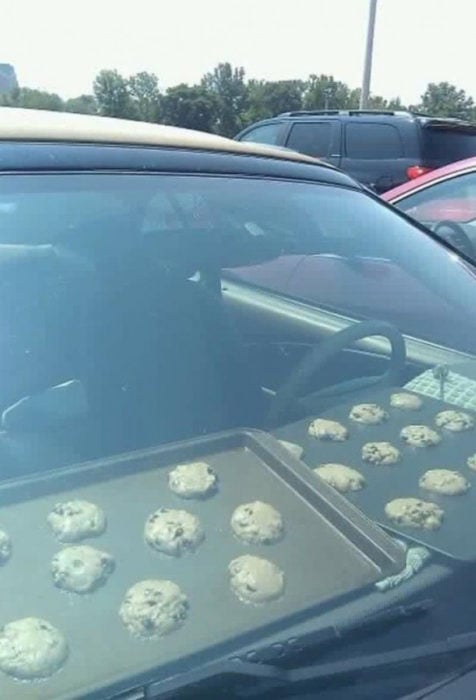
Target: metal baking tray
331	553
456	537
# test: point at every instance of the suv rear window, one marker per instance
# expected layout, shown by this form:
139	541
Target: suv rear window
442	145
372	141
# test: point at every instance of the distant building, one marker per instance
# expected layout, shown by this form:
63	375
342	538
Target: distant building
8	78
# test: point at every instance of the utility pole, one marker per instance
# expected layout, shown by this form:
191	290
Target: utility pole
365	92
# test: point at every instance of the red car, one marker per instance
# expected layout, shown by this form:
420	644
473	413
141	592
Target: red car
342	265
445	201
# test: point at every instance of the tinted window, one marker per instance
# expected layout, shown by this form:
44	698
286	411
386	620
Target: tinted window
344	252
267	133
372	141
43	217
441	146
451	200
313	139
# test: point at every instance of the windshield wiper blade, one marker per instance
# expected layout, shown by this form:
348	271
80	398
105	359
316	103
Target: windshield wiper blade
370	666
380	620
254	679
266	675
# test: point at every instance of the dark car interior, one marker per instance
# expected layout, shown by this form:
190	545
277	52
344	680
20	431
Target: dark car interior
159	355
126	331
163	348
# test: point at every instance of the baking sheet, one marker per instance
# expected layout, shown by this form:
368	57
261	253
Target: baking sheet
456	537
329	550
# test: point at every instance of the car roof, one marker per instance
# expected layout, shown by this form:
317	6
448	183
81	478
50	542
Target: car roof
41	125
459	166
352	115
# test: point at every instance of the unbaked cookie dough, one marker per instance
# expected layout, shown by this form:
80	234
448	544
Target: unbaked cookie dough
73	521
193	480
471	462
380	453
455	421
324	429
5	547
257	523
153	607
81	568
368	414
445	482
420	436
414	513
340	477
406	402
255	580
296	450
173	532
31	648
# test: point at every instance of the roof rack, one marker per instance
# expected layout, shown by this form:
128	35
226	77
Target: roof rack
346	112
422	116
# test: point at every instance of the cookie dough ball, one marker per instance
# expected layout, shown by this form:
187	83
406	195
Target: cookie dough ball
380	453
471	462
406	402
153	607
420	436
5	547
255	580
193	480
340	477
445	482
173	532
81	569
414	513
368	414
295	450
323	429
73	521
257	523
31	648
455	421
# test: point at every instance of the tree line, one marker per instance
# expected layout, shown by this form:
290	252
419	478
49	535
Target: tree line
225	101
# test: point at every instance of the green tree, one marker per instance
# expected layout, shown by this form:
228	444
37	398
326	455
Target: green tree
269	98
111	91
145	95
324	92
83	104
32	99
227	84
189	106
375	101
446	100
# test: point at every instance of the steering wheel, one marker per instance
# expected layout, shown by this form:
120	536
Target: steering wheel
456	236
287	396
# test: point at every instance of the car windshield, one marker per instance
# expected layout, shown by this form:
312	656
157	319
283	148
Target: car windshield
140	310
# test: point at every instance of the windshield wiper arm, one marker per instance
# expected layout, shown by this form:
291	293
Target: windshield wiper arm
259	678
265	675
382	619
373	665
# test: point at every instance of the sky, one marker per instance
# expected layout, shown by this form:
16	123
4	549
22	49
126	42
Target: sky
60	45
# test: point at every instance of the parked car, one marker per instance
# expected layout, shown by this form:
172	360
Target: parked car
381	149
172	305
444	201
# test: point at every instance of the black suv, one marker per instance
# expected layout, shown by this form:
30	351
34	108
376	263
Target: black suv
381	149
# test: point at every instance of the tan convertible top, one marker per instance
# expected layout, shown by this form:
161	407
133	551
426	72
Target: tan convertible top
40	125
